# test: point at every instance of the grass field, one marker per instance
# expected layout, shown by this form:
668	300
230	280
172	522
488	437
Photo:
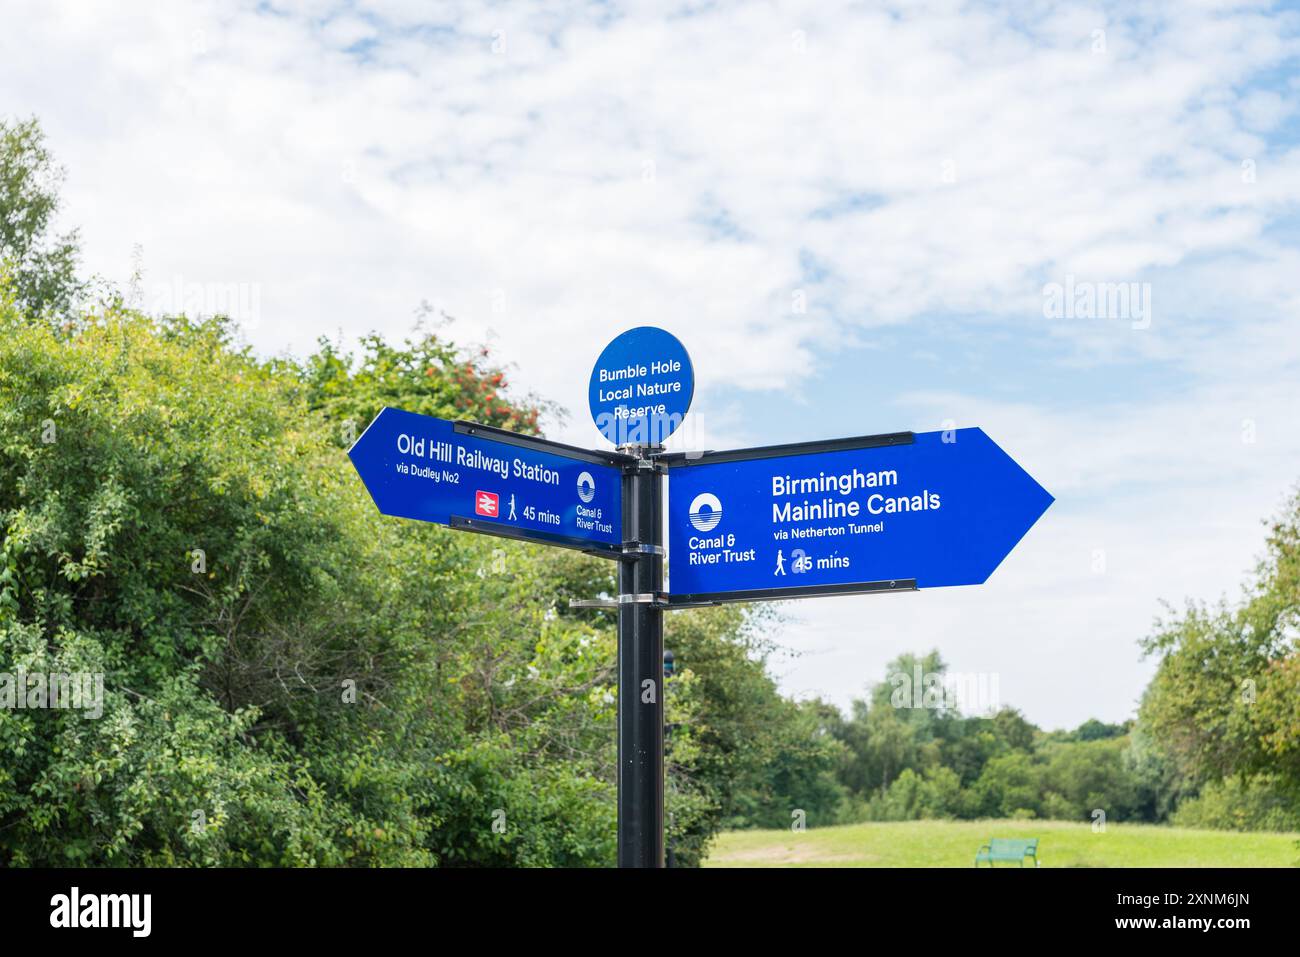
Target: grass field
954	843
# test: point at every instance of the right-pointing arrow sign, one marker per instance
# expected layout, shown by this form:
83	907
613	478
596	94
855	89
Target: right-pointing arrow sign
900	510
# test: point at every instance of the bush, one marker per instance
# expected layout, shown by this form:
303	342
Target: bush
1235	804
289	678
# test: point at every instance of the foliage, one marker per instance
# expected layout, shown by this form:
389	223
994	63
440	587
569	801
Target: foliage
908	757
426	375
1261	803
748	756
289	678
1216	743
292	679
41	266
1224	704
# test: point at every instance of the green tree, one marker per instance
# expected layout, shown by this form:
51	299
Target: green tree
424	374
1091	775
1223	701
754	756
1009	786
289	678
1094	730
42	266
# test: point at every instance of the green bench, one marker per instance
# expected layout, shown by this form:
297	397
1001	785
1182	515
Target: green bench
1008	849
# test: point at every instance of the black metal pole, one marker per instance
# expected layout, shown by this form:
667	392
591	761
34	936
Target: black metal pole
640	670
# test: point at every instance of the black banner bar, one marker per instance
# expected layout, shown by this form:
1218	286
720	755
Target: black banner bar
506	437
484	527
703	599
680	459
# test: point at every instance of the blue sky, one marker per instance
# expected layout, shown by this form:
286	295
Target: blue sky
849	214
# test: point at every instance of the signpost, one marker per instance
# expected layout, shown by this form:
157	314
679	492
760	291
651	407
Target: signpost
881	513
641	387
877	513
481	479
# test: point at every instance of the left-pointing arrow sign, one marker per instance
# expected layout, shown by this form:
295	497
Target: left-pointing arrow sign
482	479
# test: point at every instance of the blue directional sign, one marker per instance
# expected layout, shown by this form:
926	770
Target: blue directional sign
925	510
487	480
641	387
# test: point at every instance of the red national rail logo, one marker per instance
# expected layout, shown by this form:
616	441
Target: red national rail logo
487	503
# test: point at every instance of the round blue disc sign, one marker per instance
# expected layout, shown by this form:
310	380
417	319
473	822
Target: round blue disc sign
641	387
